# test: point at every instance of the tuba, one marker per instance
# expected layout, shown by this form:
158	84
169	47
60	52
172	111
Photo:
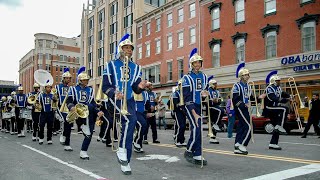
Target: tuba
81	111
33	100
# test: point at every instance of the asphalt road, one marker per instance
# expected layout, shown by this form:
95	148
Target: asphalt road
20	158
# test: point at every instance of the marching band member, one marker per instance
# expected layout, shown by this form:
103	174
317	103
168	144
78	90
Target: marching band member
194	87
114	82
141	100
151	118
274	110
35	114
180	119
241	93
21	102
46	116
216	111
83	94
62	90
11	106
107	122
5	124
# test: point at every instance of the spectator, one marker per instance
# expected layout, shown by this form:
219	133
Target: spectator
161	112
231	117
314	116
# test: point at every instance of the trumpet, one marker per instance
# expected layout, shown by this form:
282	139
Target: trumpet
293	86
124	107
180	82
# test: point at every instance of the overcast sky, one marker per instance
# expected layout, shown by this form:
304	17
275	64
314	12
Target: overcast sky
21	19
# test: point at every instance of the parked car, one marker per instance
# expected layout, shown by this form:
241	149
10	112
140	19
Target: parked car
170	119
264	124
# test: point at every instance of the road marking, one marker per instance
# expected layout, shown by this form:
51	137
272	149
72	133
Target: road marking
167	158
300	144
290	173
259	156
91	174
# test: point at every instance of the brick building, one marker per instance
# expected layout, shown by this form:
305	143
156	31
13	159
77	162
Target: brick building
164	39
52	53
103	24
267	35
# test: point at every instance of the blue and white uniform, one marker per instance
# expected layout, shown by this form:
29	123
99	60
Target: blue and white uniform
241	93
35	117
141	121
21	101
46	115
216	111
151	121
192	85
113	78
180	119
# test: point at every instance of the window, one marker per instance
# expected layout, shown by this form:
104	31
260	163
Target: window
48	44
309	36
101	16
180	15
180	39
215	18
148	29
48	56
127	3
114	9
192	9
158	26
158	46
152	74
57	67
61	68
90	40
40	43
113	47
180	68
61	57
139	52
101	35
216	56
101	53
192	35
169	39
139	32
113	28
305	1
90	23
128	20
169	66
239	11
78	59
65	58
270	6
40	56
240	50
147	49
271	44
169	22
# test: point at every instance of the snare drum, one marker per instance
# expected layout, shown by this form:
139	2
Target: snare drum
6	115
25	114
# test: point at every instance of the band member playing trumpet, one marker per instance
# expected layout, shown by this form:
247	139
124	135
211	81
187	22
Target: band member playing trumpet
241	93
21	102
46	117
62	91
34	113
194	87
83	94
121	78
216	111
274	110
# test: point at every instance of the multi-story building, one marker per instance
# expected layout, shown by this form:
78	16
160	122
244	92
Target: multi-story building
165	37
6	87
267	35
52	53
103	24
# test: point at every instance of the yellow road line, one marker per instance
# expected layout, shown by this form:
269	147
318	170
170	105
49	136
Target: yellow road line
259	156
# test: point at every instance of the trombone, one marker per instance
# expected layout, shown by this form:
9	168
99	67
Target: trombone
124	107
293	86
252	87
115	124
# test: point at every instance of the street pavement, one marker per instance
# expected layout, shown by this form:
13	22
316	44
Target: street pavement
20	158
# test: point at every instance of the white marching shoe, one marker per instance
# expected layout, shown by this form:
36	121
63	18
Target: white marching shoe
62	139
85	129
122	156
274	146
40	141
213	141
280	129
34	138
126	169
216	127
22	134
84	155
68	148
50	142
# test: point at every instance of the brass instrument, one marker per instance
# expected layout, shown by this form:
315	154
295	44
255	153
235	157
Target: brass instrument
251	84
180	82
171	107
33	100
54	105
124	107
293	86
138	97
100	95
207	101
115	124
81	111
